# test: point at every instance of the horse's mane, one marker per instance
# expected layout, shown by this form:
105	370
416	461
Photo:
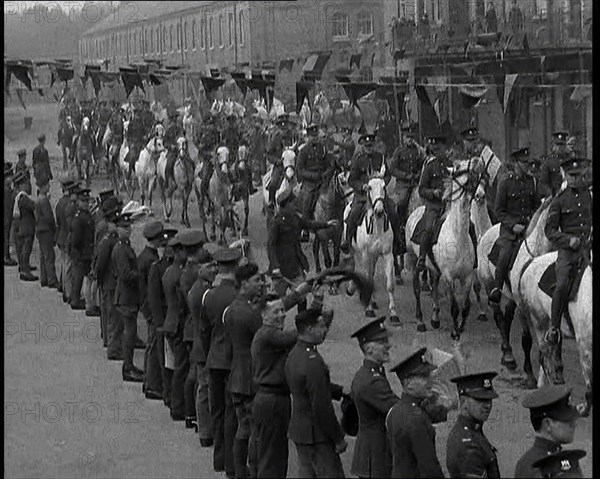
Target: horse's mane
536	216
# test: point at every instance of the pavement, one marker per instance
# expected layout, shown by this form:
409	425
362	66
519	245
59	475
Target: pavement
68	413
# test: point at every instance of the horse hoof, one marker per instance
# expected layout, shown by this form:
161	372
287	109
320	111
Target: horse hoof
455	335
482	317
583	409
394	320
435	324
399	281
369	313
421	328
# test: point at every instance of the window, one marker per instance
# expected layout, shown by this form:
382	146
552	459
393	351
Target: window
146	42
185	36
241	20
231	26
178	37
194	35
221	31
134	43
164	39
210	33
203	33
157	39
340	25
151	41
171	38
365	23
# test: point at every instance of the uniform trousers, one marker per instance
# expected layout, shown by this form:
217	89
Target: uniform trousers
66	273
319	460
81	267
224	420
152	372
166	374
47	258
106	310
270	419
180	372
202	402
189	388
128	316
565	268
244	449
90	294
115	332
508	247
24	246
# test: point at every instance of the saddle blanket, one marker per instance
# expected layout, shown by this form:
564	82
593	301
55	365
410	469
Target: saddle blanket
547	282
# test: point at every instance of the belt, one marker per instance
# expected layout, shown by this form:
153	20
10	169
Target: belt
272	389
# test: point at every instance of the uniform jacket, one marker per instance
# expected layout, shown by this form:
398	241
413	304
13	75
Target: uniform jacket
9	203
61	223
269	351
70	210
313	420
144	261
241	322
194	300
314	163
26	223
516	201
411	437
283	247
103	267
345	150
22	167
41	165
406	164
189	274
363	166
570	215
82	236
541	448
277	176
209	137
373	398
124	263
175	306
550	176
468	451
156	294
215	339
432	178
44	216
280	140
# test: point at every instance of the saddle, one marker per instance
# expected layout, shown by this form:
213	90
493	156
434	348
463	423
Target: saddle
547	282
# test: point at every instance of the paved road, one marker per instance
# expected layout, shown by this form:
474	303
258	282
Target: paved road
68	414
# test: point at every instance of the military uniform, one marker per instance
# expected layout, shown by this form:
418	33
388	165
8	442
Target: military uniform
550	176
65	203
560	464
41	163
25	228
257	152
9	203
570	216
126	304
81	251
107	281
284	137
468	452
46	232
516	201
542	447
344	149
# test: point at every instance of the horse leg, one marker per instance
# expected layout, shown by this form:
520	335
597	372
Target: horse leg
389	272
477	289
466	302
527	344
325	249
371	264
435	294
150	190
316	245
246	213
398	267
418	312
508	358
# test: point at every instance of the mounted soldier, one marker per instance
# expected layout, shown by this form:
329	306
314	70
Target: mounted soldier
173	131
315	167
344	148
550	176
367	163
283	137
231	135
135	138
209	138
66	133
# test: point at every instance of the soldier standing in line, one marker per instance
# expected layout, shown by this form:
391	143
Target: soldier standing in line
156	376
373	398
64	216
550	176
41	163
313	428
170	284
60	238
45	230
217	344
207	272
560	464
127	298
9	203
410	427
553	420
24	213
153	232
82	246
569	228
468	451
104	273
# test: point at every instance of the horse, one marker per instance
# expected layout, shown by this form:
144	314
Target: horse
329	206
183	180
374	239
535	308
454	266
145	168
219	189
322	112
84	151
241	183
66	135
534	244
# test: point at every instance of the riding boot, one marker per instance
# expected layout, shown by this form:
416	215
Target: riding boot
351	228
424	250
473	237
559	301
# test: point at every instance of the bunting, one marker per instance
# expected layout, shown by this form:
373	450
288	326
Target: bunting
194	85
65	74
96	81
355	91
302	89
211	85
355	60
509	83
21	72
286	64
471	95
580	92
240	80
20	97
131	78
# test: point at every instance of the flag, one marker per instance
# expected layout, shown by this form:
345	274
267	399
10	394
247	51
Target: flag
240	80
131	79
96	81
65	74
509	83
302	89
20	97
471	94
355	91
286	64
355	60
21	72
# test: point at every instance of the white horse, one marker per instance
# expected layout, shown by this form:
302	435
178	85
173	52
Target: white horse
454	252
374	240
145	167
536	307
535	244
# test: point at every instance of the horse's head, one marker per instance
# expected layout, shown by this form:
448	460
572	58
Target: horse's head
223	159
288	158
155	145
159	130
85	124
242	156
182	146
466	175
479	196
376	194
